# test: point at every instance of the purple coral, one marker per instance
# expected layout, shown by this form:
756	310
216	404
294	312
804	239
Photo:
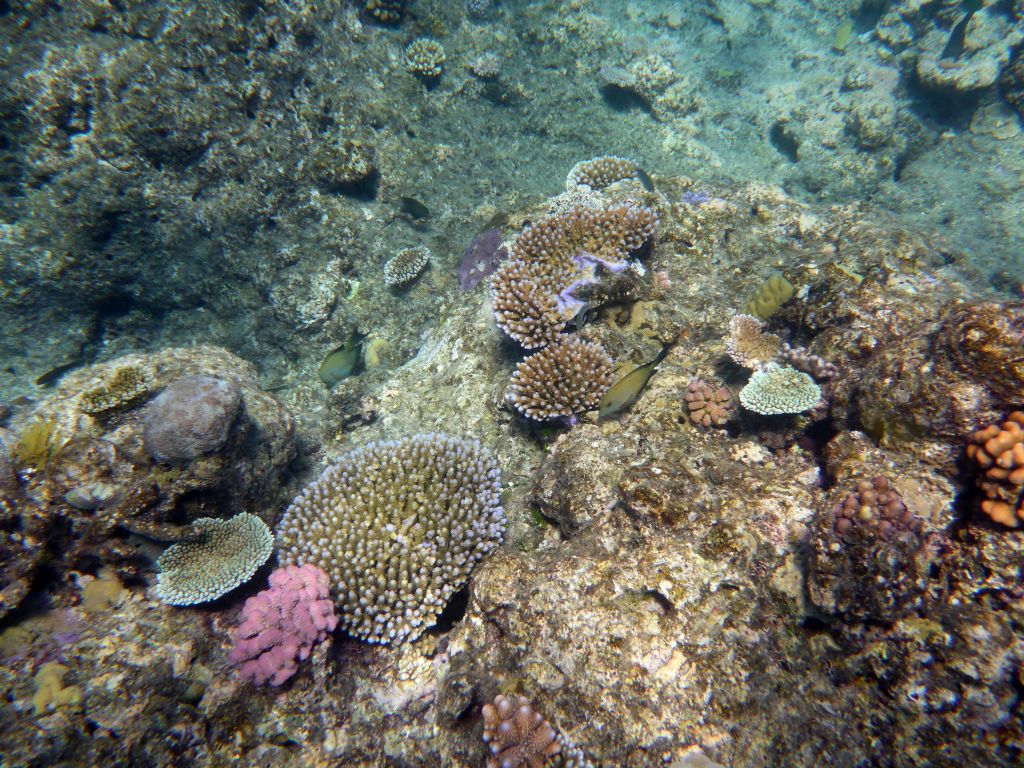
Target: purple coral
281	625
192	416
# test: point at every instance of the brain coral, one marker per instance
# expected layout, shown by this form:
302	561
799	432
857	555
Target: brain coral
562	380
532	289
398	527
221	555
192	416
777	389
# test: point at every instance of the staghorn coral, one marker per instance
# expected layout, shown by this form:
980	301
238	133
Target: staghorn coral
192	416
561	381
749	345
600	172
708	405
220	555
518	736
280	625
874	510
397	527
424	57
118	389
533	288
998	451
405	266
776	390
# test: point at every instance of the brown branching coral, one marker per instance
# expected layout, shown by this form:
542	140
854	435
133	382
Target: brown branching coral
533	289
707	404
748	343
998	450
601	172
562	380
405	266
518	736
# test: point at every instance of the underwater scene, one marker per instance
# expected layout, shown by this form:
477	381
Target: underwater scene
499	384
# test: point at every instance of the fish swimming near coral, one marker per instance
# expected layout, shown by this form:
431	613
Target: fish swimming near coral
645	180
627	389
343	361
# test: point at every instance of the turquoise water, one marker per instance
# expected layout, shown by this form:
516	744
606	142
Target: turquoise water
282	200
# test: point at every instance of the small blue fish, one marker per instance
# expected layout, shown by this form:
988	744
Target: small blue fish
627	389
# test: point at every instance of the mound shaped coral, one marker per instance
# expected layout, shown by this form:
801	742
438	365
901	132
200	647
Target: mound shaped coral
192	416
563	380
280	625
405	266
220	555
397	526
600	172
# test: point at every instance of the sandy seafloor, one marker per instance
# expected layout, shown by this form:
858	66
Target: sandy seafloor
216	188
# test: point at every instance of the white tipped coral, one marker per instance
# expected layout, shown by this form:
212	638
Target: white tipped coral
398	527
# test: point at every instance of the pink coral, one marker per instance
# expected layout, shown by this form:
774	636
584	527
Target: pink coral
281	625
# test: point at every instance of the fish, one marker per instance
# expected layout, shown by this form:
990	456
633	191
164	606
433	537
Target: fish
413	207
627	389
843	35
52	375
645	180
343	361
957	42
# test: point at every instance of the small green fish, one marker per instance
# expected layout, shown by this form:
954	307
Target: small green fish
413	208
343	361
645	181
628	388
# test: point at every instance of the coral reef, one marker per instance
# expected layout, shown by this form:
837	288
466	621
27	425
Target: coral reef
708	404
281	625
425	58
386	11
192	416
125	387
777	389
51	693
215	558
405	266
769	296
397	527
563	380
518	736
874	510
998	452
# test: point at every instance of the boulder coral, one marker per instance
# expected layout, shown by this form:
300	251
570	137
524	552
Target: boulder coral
998	452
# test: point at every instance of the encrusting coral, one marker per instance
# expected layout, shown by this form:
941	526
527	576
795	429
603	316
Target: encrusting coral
397	526
405	266
280	625
518	736
534	288
998	451
561	381
221	555
121	388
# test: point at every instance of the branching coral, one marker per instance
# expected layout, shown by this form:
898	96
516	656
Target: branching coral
397	526
405	266
749	344
998	451
425	58
600	172
561	381
533	288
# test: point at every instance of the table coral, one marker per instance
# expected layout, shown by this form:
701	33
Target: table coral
280	625
998	451
779	389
